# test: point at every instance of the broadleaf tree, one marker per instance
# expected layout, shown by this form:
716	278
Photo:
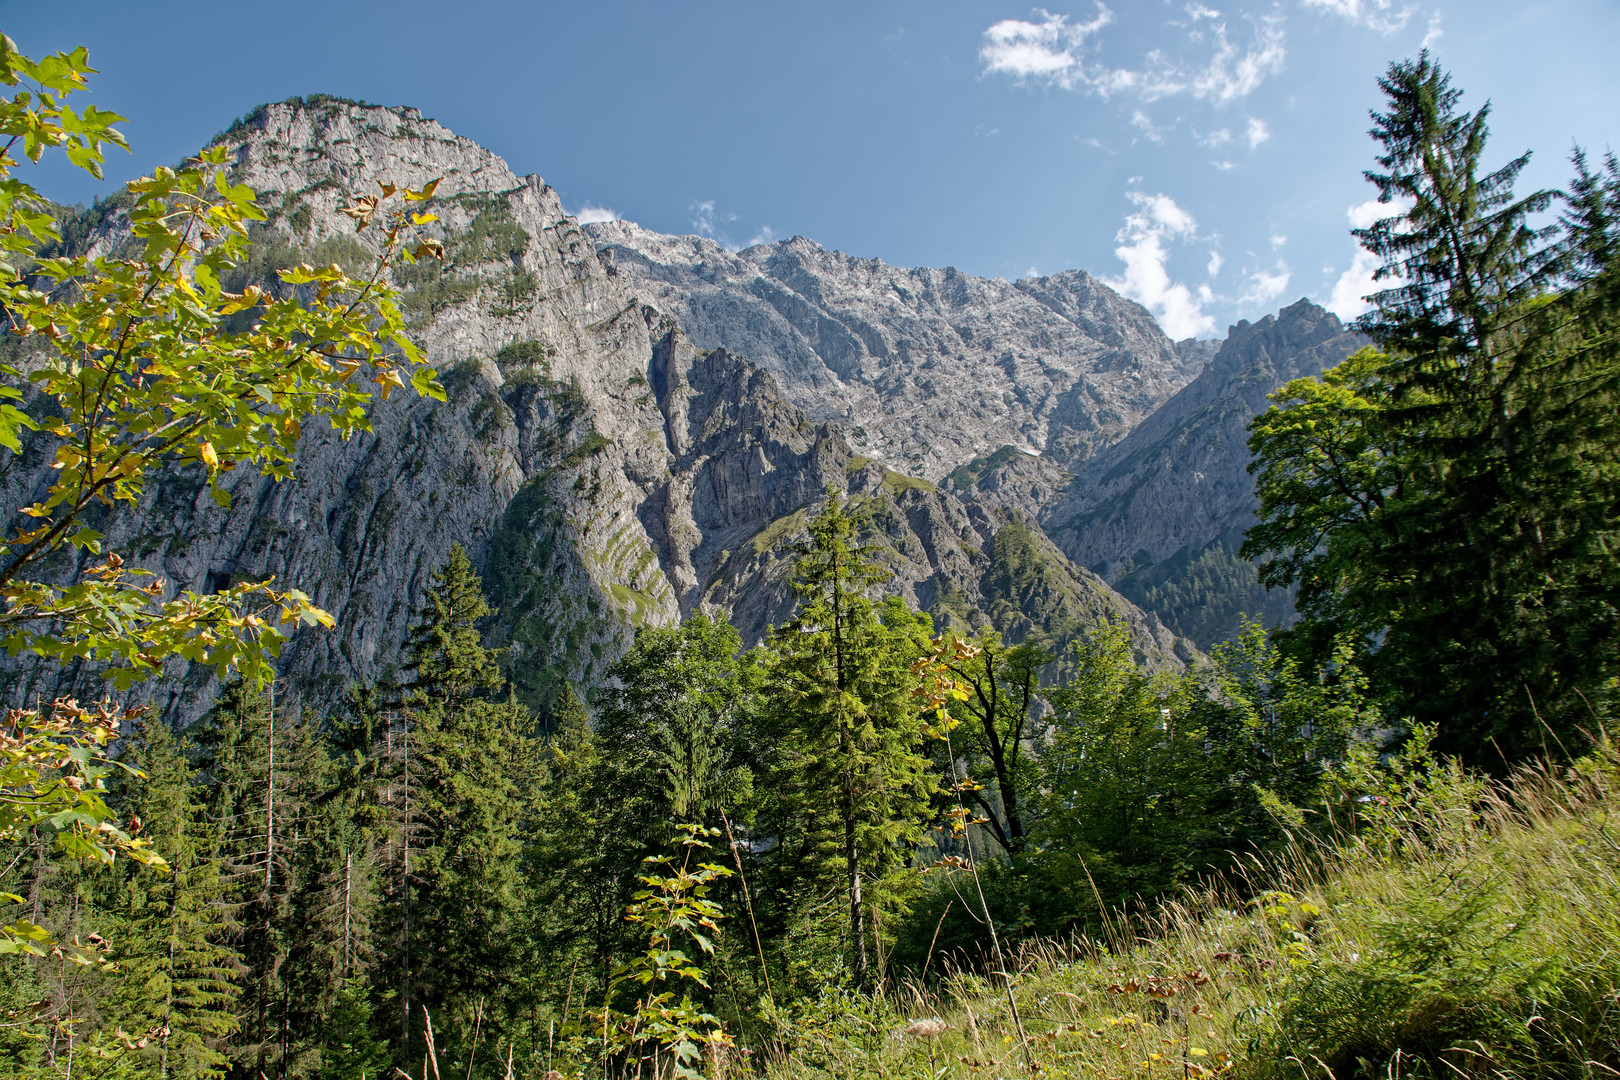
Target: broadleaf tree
117	368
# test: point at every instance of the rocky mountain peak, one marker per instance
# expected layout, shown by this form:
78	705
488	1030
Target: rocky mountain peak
357	146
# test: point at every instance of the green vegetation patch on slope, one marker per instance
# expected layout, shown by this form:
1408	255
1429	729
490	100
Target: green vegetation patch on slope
1029	587
1449	929
1204	594
967	475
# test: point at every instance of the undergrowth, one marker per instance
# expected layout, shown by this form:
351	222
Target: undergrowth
1439	927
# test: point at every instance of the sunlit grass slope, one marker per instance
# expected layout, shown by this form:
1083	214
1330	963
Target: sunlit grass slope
1451	929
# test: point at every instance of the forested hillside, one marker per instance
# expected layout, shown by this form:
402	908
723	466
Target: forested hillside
494	683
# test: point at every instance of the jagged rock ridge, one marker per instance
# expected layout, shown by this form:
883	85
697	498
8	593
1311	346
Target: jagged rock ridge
1170	501
922	369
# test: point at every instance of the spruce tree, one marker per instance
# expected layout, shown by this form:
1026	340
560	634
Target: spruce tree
1449	504
464	776
853	787
179	982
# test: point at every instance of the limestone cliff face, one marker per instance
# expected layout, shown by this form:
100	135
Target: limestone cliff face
1161	513
604	470
922	369
1181	476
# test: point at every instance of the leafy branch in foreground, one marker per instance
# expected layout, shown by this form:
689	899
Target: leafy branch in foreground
138	367
117	368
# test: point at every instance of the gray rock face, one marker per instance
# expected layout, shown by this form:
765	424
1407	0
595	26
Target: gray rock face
603	470
1181	476
921	369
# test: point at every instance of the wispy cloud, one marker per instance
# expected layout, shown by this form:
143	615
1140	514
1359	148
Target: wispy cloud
1215	139
1378	15
1266	285
590	213
1047	50
1234	71
1434	33
1258	132
1053	50
707	220
702	218
1144	249
1144	123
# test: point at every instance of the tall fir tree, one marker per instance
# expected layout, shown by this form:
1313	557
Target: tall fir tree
853	787
464	771
1449	504
180	981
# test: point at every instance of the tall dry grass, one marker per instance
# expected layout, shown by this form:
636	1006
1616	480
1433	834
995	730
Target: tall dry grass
1441	927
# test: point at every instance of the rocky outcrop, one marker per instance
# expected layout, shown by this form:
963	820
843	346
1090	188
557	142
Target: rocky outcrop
1181	476
922	369
1176	494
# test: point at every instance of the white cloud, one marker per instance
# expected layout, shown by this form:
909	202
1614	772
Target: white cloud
707	221
1048	49
1232	72
1052	49
1143	241
1346	300
1366	215
1223	166
1379	15
1215	139
1435	33
766	235
590	213
1215	262
1258	132
1265	286
703	216
1032	272
1140	120
1278	240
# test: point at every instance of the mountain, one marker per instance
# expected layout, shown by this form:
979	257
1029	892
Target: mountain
607	467
1161	512
921	369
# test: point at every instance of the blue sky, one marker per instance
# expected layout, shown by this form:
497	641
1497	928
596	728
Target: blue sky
1204	158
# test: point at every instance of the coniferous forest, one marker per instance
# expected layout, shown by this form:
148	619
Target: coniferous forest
1374	843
